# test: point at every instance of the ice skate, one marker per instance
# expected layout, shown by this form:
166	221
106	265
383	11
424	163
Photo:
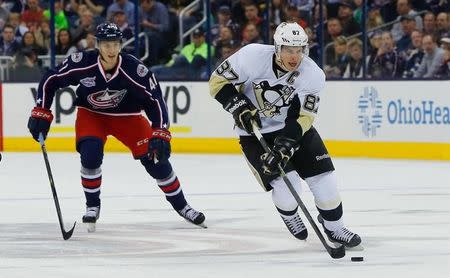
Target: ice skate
295	225
343	236
90	218
193	216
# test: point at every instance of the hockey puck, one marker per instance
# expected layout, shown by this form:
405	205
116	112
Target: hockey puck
357	259
0	157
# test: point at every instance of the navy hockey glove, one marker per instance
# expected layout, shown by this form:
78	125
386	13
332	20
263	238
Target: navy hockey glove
282	151
39	122
244	112
159	145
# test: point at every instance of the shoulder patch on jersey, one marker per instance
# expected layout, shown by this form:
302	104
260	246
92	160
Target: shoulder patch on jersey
76	57
142	70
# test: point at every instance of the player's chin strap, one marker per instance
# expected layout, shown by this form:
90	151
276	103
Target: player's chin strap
335	253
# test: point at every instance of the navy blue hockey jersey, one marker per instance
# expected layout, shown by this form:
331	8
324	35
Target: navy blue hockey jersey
130	88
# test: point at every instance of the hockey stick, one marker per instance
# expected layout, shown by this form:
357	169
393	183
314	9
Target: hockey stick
68	234
335	253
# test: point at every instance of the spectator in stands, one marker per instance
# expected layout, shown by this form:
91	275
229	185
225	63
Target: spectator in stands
316	16
313	45
293	15
8	44
388	63
124	5
336	58
304	7
374	18
251	35
224	19
442	25
121	20
19	29
277	13
97	7
29	41
444	69
354	66
154	18
408	24
357	11
225	38
413	55
429	23
238	11
64	43
432	60
4	13
25	68
251	16
85	25
345	15
334	30
191	61
33	15
42	35
226	51
60	18
404	8
88	43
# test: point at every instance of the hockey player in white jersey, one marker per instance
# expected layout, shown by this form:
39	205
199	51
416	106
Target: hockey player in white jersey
278	87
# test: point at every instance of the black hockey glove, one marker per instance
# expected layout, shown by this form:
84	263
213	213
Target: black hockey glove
282	151
159	145
39	122
244	112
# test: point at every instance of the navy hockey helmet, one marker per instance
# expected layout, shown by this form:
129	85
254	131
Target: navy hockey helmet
108	32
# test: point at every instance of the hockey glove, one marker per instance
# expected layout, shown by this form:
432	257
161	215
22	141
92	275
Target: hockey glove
243	111
282	151
39	122
159	145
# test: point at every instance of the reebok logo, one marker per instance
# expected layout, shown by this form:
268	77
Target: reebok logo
236	106
320	157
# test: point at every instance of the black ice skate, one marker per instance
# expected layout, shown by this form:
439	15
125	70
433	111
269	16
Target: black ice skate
90	218
295	225
193	216
342	236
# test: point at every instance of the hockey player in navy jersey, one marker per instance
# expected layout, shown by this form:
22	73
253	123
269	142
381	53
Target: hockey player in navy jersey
278	87
113	90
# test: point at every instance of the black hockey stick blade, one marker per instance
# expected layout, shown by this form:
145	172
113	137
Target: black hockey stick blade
66	234
335	253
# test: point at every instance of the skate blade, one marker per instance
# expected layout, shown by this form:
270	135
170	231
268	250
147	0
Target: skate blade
90	227
356	248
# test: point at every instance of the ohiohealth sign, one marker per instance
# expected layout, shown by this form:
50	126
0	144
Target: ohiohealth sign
417	111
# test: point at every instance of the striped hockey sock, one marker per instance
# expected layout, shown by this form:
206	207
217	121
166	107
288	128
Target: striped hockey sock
91	179
172	189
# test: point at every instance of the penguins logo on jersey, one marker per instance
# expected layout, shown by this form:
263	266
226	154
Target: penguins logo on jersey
106	98
272	98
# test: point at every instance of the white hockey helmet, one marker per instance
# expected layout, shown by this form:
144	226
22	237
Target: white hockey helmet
290	34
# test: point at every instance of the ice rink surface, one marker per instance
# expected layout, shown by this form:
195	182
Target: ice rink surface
400	208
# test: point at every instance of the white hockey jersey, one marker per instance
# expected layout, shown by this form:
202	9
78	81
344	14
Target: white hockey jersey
253	71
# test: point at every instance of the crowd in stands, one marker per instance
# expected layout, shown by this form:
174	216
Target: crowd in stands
405	38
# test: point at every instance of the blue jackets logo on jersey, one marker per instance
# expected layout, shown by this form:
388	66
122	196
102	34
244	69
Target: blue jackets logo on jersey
106	98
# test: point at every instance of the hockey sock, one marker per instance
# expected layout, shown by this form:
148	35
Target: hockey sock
172	189
91	179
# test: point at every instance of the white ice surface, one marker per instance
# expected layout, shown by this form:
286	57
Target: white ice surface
400	208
